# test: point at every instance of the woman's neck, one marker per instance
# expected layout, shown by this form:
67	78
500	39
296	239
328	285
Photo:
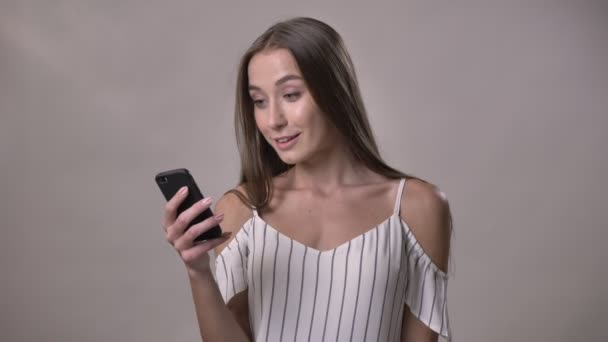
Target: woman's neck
328	171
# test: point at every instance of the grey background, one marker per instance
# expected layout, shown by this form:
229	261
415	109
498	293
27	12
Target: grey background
503	104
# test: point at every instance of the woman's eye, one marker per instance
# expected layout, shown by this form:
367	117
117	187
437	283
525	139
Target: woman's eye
258	103
292	96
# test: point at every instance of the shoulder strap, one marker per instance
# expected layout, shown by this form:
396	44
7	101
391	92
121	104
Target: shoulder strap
399	194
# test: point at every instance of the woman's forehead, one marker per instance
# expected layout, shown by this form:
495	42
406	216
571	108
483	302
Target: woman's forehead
269	66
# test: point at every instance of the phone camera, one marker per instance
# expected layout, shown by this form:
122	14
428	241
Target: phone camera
162	180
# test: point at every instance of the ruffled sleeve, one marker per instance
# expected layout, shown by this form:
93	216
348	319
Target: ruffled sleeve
426	290
231	266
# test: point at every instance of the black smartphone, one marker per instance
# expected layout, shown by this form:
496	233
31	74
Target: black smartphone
170	182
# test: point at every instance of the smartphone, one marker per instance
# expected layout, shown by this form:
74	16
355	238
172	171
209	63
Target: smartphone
170	182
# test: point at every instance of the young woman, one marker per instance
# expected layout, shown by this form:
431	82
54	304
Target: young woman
324	241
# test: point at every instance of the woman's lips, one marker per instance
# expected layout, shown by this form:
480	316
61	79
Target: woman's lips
285	145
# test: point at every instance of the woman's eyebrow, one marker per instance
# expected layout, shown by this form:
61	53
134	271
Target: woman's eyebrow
287	78
279	81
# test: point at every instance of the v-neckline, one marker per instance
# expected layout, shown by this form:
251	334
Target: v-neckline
384	223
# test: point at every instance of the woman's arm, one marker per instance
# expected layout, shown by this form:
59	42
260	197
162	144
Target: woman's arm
426	211
217	321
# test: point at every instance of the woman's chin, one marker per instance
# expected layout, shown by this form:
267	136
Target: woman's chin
290	158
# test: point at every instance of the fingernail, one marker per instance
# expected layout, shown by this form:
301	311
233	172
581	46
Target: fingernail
183	190
207	200
219	217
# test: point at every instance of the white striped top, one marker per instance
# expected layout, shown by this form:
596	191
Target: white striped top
354	292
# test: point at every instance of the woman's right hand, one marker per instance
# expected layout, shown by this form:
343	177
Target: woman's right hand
194	254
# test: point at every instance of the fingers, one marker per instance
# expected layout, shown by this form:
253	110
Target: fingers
170	211
181	237
194	253
186	240
175	230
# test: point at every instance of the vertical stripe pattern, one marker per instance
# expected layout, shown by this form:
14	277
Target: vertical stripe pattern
355	292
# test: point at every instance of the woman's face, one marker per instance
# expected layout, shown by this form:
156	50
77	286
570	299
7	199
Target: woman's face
285	112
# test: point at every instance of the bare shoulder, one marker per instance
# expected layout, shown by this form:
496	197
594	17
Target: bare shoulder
236	213
425	209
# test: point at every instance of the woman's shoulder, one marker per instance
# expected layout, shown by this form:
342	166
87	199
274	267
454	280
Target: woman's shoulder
426	211
423	195
236	212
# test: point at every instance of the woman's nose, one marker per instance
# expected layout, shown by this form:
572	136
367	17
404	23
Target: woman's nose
276	117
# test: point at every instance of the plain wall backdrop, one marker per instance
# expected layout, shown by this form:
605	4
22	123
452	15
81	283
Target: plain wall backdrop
502	104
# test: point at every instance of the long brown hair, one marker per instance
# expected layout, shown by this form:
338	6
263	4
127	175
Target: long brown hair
329	74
